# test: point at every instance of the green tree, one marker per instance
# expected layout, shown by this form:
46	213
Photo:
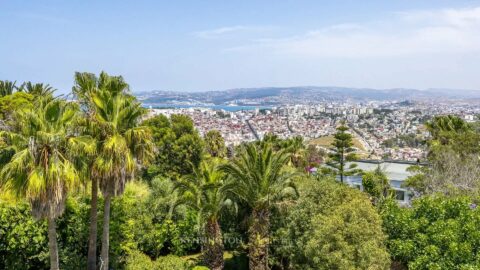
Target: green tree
298	152
87	87
258	178
437	232
36	89
178	143
453	159
331	226
41	170
314	155
123	146
14	102
7	88
376	184
205	191
342	152
452	132
215	144
442	125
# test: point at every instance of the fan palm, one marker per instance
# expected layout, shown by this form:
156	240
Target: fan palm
41	170
85	85
205	190
258	178
122	144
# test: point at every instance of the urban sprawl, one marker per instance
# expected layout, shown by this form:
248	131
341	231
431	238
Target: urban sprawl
382	130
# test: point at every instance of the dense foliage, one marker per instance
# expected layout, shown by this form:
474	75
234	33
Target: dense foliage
376	185
332	226
436	233
178	144
171	199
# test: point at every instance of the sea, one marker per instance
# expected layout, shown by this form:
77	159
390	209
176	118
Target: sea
229	108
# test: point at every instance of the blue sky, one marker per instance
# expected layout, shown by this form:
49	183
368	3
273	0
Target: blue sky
214	45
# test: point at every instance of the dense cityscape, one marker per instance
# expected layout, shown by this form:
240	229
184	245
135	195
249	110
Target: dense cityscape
384	130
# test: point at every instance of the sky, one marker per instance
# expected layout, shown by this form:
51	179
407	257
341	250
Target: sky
214	45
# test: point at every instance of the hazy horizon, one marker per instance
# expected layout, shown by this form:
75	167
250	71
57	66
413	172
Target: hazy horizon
189	46
304	86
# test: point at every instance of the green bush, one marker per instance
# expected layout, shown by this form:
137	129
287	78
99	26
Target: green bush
332	226
23	241
139	261
200	268
438	232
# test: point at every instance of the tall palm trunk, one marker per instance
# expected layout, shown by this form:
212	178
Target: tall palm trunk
106	234
92	239
52	243
213	245
258	240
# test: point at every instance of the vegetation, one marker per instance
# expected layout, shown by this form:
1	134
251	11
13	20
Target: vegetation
40	170
259	180
376	185
332	226
214	144
171	199
454	164
206	191
178	144
342	153
436	233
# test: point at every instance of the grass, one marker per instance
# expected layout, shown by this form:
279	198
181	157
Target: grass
326	141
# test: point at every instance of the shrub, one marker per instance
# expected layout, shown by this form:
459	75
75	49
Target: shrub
438	232
139	261
332	226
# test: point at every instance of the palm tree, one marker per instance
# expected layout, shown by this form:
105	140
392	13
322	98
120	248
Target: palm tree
215	144
36	89
258	178
122	144
101	100
205	191
85	85
296	147
41	170
7	88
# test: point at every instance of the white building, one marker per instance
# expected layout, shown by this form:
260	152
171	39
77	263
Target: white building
396	172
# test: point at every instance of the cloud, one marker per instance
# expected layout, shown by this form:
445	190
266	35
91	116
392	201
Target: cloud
218	32
446	31
237	31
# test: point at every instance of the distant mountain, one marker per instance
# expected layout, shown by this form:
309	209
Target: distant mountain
300	94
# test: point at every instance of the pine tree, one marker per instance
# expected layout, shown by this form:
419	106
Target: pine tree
342	152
